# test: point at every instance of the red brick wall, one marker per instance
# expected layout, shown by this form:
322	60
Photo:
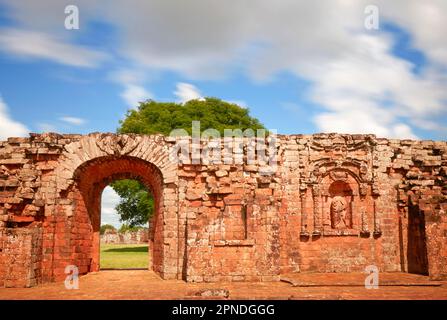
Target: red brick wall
336	203
21	256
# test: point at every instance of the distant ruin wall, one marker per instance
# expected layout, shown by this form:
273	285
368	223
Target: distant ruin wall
128	237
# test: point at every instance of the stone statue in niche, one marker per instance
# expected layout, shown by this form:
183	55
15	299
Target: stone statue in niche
339	213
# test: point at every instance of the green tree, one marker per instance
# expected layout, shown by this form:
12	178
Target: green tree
127	227
162	117
151	117
136	204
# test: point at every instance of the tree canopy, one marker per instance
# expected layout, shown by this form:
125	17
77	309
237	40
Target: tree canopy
136	204
151	117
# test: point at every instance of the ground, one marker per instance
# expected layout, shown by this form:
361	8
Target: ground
124	256
142	284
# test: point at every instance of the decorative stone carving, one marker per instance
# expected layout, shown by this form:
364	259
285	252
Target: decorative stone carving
117	144
363	189
316	190
303	188
317	204
364	232
339	163
340	218
377	229
303	232
339	175
363	171
340	144
316	172
375	189
340	151
341	159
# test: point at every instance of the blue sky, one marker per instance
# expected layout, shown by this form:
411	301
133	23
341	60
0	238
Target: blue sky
300	66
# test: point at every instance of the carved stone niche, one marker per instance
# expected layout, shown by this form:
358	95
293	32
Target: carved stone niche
342	208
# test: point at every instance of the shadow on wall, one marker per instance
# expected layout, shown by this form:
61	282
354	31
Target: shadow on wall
417	241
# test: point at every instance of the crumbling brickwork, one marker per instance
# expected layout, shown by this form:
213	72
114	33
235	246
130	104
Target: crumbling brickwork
333	203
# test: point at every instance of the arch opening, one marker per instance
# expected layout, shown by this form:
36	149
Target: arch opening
126	208
91	178
417	240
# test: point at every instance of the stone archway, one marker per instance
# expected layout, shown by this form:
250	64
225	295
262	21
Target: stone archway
90	180
86	167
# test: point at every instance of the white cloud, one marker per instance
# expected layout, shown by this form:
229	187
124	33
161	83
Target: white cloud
109	201
402	131
127	76
369	93
73	120
363	122
10	127
353	74
35	44
186	91
133	90
425	21
134	94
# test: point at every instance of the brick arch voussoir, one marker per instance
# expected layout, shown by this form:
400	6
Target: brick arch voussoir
153	149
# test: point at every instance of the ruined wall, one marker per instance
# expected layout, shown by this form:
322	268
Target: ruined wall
20	256
333	203
128	237
250	226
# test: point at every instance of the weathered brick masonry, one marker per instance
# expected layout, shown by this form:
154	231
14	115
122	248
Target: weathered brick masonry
336	203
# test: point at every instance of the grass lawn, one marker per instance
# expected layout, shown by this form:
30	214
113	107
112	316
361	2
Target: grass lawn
122	256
